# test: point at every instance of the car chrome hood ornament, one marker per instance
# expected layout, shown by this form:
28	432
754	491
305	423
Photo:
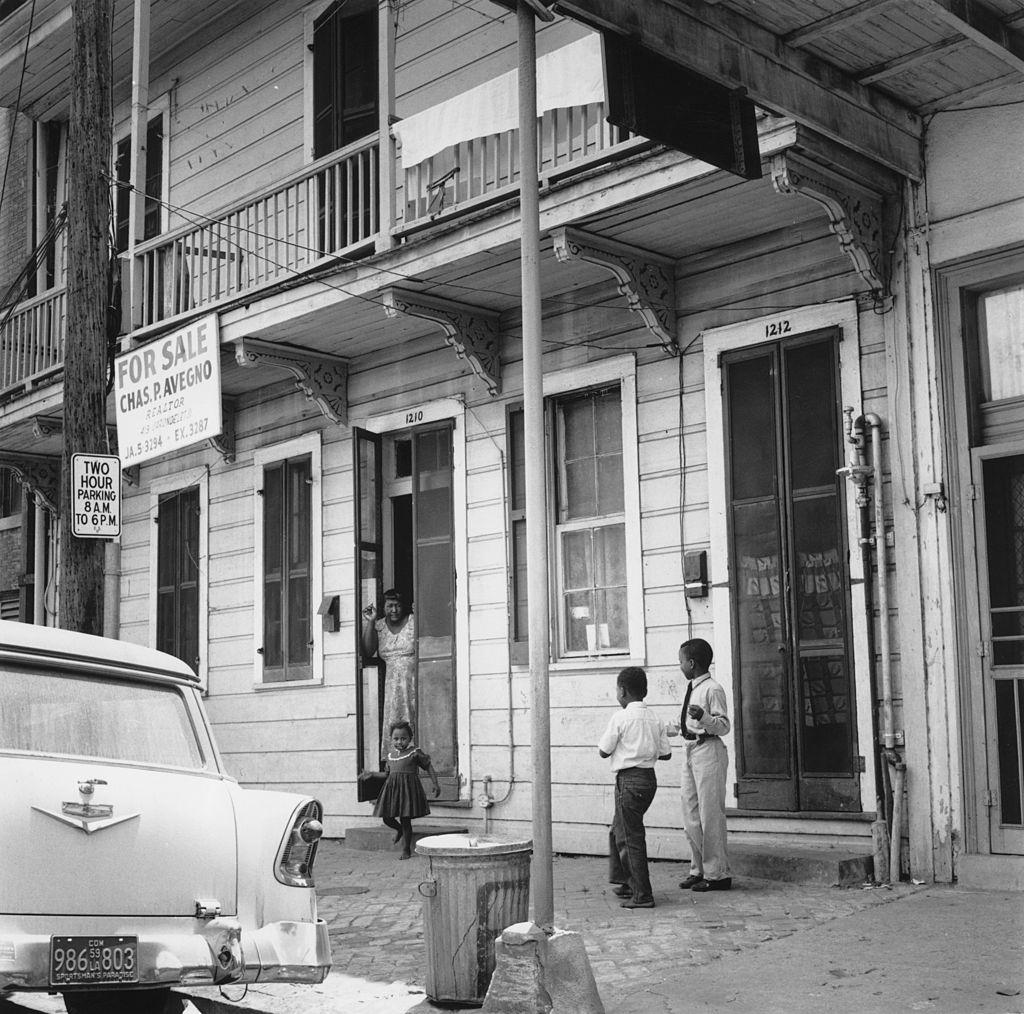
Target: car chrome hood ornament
87	816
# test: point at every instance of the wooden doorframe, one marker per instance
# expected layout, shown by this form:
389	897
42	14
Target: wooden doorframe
407	418
960	427
982	682
758	331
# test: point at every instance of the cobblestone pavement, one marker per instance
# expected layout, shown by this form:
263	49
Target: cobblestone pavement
773	947
372	906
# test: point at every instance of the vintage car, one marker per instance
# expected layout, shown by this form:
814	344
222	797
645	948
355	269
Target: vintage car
131	861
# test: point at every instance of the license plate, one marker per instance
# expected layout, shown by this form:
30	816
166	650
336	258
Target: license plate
84	961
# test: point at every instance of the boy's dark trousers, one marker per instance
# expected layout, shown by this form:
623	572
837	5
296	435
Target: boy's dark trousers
627	853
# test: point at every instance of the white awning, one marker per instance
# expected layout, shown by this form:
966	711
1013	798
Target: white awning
570	76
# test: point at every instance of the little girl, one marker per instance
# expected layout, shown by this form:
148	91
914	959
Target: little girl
402	798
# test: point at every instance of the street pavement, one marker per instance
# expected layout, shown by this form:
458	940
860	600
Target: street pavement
765	946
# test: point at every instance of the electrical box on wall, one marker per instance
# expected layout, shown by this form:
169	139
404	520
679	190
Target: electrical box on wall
695	574
330	611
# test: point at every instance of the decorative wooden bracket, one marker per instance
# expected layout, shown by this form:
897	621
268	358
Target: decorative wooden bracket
39	474
855	214
646	279
323	379
470	330
44	426
224	442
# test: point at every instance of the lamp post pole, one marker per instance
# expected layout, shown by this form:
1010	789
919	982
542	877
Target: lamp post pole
536	500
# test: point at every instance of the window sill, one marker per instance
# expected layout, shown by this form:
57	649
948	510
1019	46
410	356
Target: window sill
603	663
450	804
288	684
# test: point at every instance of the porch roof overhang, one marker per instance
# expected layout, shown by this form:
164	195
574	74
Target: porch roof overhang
862	72
613	246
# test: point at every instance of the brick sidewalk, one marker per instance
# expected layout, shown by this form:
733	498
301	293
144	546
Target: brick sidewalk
371	904
916	945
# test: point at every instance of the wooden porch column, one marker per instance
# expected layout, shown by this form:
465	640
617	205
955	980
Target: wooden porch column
137	172
388	165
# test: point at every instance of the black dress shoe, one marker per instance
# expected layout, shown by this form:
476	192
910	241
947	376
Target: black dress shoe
693	878
623	891
725	884
636	904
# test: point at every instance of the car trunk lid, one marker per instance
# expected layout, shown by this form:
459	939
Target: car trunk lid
98	838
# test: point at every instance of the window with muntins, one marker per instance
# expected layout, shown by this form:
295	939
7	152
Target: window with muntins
287	506
590	533
589	537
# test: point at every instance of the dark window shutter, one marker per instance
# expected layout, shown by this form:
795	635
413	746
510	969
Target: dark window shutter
177	624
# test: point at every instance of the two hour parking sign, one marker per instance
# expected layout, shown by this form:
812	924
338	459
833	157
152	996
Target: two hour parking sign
95	496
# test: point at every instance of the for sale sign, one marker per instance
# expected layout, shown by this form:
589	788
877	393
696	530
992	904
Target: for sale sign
95	496
168	392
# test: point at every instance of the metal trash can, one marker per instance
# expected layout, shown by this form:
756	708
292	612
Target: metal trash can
477	885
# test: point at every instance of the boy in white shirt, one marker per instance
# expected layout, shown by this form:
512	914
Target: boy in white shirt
634	740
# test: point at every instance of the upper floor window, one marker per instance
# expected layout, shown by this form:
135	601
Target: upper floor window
49	192
596	589
153	215
344	75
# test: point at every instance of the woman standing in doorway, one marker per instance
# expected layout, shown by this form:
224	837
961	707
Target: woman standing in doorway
393	638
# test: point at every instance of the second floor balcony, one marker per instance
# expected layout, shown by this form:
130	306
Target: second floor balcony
308	222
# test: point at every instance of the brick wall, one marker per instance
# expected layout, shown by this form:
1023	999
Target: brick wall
11	565
14	209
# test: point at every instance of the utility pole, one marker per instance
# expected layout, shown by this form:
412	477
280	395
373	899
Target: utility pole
536	497
88	257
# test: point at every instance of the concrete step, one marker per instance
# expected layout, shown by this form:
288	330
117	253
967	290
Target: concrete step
802	864
379	838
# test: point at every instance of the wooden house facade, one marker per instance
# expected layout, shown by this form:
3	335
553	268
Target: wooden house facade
760	395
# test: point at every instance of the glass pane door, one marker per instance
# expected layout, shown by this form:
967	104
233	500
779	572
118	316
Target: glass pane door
369	554
1003	615
434	574
795	735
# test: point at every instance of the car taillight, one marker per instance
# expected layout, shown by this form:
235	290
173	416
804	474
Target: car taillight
298	850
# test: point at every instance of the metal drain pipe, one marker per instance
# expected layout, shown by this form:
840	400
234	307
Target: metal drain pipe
864	476
881	564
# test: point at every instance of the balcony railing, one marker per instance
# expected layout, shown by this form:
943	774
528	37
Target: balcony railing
32	339
487	168
329	209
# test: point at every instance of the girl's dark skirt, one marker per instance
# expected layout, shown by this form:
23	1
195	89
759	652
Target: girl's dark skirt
402	796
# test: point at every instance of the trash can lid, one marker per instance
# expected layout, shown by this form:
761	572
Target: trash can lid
471	844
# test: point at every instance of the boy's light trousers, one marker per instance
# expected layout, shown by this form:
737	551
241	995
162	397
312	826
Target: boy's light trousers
703	794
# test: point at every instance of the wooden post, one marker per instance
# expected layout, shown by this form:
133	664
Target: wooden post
388	163
132	291
85	355
536	498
